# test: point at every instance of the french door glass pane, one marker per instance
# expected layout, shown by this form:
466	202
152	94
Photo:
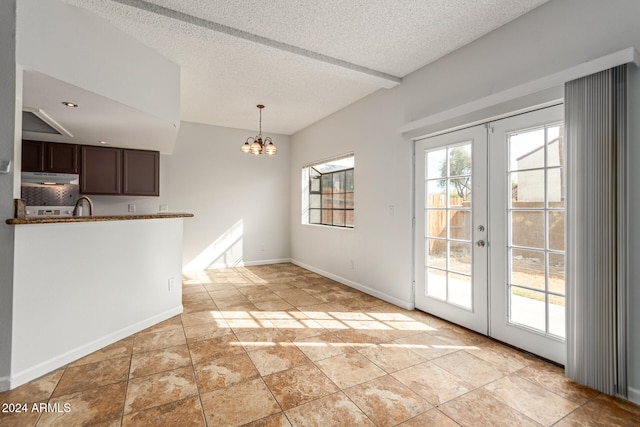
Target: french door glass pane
528	308
459	290
460	224
527	229
556	316
556	230
526	149
436	223
460	257
536	229
460	192
436	193
527	268
555	188
555	156
435	162
556	273
448	226
436	251
527	189
436	283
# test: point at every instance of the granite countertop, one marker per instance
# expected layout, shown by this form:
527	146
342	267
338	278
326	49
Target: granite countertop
50	220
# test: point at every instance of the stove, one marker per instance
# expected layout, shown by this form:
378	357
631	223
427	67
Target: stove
49	211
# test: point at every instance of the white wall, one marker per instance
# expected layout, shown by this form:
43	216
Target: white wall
8	139
69	300
379	244
554	37
240	201
78	47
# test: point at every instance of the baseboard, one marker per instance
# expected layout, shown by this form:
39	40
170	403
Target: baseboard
634	395
5	383
266	262
248	263
52	364
367	290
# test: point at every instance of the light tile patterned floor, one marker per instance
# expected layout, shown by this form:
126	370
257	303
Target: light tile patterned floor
278	345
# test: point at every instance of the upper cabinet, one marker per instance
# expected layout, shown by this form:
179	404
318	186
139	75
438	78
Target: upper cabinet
101	170
141	172
62	158
33	156
38	156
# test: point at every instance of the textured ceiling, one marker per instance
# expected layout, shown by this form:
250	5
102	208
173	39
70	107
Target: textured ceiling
303	59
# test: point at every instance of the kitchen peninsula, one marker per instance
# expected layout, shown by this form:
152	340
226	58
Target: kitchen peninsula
82	283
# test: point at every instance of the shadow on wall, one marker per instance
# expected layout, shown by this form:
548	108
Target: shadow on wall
225	251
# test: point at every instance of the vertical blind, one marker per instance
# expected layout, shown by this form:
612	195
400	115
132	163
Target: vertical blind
596	141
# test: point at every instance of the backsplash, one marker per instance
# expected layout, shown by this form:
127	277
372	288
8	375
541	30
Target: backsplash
49	195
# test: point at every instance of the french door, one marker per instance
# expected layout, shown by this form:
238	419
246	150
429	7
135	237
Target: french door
490	204
451	217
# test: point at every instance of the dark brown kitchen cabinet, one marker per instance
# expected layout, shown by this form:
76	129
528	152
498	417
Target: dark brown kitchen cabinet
108	170
39	156
62	158
33	156
101	170
141	172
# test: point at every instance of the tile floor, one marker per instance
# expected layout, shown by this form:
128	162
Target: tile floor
281	346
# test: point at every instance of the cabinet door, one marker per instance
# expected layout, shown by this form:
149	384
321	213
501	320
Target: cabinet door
32	156
141	172
101	170
62	158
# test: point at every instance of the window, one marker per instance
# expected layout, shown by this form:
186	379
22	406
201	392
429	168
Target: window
328	192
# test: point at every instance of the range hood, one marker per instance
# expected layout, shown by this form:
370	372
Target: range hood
37	122
50	178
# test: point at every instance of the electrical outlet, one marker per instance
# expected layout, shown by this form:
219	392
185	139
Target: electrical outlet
261	248
392	210
132	207
172	283
353	264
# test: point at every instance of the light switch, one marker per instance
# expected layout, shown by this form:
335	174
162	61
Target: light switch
5	166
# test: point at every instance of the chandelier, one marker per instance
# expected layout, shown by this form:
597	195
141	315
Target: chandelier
256	145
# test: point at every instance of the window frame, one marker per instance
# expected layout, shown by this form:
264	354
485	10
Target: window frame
325	190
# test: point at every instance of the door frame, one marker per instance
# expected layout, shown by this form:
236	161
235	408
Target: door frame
418	230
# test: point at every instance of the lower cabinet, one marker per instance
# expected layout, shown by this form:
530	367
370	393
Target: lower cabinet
107	170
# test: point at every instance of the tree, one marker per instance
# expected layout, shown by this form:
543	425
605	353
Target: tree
459	166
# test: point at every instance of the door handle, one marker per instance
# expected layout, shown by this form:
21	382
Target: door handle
480	244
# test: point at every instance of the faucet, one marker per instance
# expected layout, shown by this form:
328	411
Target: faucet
75	208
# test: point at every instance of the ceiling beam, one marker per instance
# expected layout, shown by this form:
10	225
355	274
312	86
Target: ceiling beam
391	80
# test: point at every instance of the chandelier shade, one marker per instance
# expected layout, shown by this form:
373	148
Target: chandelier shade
257	145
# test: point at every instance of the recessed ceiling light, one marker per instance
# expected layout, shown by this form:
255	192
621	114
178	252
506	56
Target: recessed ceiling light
69	104
103	142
